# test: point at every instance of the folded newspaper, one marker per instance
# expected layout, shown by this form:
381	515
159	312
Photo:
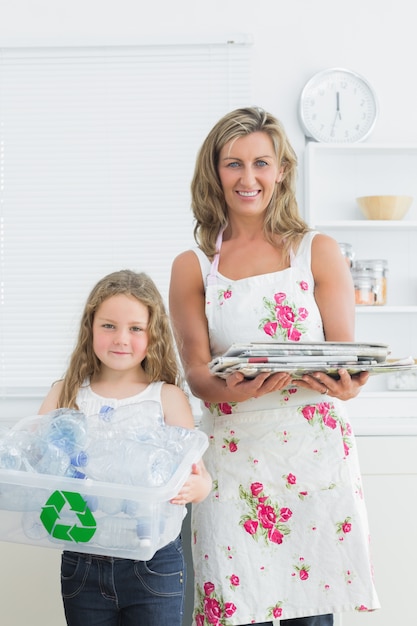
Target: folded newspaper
298	359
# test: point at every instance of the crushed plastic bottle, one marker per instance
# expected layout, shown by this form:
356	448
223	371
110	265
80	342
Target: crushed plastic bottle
21	450
117	532
129	462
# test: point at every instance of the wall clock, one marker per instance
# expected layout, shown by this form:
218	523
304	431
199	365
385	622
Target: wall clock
338	106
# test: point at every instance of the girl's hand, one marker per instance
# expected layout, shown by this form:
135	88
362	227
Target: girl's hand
345	388
196	488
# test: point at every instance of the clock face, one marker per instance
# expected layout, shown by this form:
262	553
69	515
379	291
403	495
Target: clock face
338	106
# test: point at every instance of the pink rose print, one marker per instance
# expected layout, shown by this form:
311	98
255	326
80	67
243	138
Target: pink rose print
270	328
251	526
279	297
303	285
302	570
290	482
229	609
344	527
309	412
224	294
285	316
275	612
293	334
291	479
234	580
324	415
208	588
275	536
285	514
256	488
221	408
212	610
231	444
211	607
264	518
284	320
329	421
302	313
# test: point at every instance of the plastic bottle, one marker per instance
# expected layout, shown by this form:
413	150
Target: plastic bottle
65	436
33	527
141	422
117	532
21	450
21	498
129	462
67	429
143	514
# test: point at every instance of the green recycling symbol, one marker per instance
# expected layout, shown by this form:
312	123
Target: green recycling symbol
68	532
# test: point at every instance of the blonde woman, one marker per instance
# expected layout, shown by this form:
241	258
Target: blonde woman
283	534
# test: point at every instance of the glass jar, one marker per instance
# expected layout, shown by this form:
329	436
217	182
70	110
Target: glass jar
365	289
347	251
374	270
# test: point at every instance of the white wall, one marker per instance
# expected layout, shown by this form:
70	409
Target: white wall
292	40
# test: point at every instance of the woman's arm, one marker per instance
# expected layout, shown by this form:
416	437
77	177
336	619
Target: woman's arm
334	294
187	311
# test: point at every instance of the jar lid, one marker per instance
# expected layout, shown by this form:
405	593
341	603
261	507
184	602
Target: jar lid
371	264
364	280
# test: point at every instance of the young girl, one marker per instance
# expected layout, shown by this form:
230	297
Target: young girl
125	355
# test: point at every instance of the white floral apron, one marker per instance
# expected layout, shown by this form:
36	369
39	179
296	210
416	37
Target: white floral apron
284	532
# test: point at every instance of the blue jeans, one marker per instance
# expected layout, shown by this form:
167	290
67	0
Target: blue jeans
107	591
314	620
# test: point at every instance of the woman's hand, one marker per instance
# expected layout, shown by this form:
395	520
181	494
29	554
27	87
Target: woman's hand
344	388
265	382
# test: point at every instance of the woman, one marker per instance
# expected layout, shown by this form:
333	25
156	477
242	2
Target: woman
284	533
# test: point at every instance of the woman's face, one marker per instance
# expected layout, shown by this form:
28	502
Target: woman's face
248	172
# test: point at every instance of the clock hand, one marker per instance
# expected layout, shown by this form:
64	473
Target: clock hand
338	114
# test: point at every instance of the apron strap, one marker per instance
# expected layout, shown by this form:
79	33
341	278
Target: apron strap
212	277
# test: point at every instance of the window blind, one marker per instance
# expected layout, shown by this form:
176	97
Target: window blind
97	150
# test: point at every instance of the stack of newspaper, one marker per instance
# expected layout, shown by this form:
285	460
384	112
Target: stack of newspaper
301	358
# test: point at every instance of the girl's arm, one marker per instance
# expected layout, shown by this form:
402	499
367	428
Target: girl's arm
197	486
177	412
334	294
51	401
187	311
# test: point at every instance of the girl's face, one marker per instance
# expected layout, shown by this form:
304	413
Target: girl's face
248	172
120	337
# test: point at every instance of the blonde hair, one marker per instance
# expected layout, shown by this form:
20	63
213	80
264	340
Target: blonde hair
207	197
160	362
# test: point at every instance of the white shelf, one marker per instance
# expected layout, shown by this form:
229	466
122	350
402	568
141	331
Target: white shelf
385	309
383	225
335	175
